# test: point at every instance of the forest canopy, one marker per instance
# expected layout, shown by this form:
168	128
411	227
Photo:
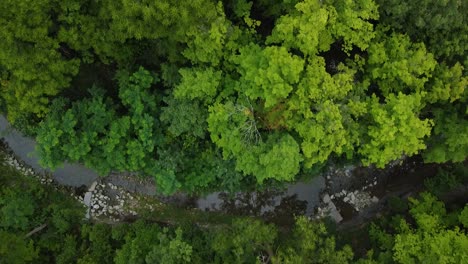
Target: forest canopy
206	95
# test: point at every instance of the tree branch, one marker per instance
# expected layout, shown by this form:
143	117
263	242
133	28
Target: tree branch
35	230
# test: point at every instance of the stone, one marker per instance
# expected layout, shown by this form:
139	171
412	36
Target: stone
87	198
375	199
346	199
92	187
326	198
334	214
96	206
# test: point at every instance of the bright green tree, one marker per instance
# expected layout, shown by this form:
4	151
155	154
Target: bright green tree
32	64
395	129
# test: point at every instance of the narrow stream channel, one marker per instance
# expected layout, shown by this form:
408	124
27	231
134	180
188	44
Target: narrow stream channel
343	193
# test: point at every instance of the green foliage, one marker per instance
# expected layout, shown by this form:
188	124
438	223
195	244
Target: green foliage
153	245
351	21
397	205
184	117
16	209
198	83
314	26
441	25
243	242
267	73
279	87
98	242
25	205
396	129
31	58
234	129
14	249
93	132
432	239
448	84
311	243
463	218
69	252
450	139
397	65
116	30
447	179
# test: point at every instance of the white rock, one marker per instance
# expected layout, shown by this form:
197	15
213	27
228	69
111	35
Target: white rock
326	198
87	199
346	199
375	199
93	186
96	206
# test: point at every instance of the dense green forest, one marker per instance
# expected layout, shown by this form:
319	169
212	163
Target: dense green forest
234	95
205	95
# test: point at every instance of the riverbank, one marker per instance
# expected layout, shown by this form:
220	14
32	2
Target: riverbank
349	195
